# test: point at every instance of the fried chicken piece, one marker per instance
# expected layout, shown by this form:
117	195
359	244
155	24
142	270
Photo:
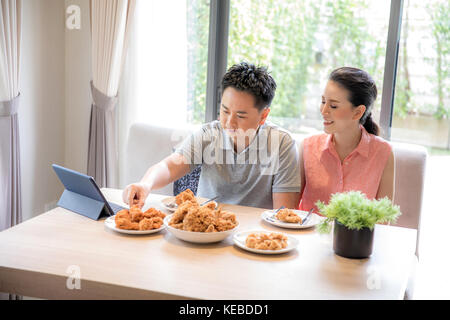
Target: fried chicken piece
186	195
177	225
288	215
135	209
123	214
198	219
137	217
251	241
190	216
278	236
182	210
211	228
264	236
157	222
263	241
274	245
136	214
126	224
264	245
152	212
224	225
210	205
228	216
150	223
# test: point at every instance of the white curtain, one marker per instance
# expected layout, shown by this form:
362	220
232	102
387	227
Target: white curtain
10	35
10	191
110	24
154	81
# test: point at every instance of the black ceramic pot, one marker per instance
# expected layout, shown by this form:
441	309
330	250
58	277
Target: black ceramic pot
354	244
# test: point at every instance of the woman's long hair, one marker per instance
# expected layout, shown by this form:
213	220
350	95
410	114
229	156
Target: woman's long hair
362	89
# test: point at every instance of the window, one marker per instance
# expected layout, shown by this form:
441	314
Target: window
302	42
422	92
167	61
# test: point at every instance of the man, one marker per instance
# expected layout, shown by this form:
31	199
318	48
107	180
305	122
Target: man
244	159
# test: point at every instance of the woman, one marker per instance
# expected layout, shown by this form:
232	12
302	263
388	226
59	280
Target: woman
349	155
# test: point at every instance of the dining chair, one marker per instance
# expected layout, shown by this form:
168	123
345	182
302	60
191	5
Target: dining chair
146	146
410	162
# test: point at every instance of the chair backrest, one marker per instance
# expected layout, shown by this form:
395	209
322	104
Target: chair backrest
410	162
146	146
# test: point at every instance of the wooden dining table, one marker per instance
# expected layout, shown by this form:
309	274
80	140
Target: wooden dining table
63	255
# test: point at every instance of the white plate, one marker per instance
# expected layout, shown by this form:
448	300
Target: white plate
110	223
239	240
168	200
198	237
314	219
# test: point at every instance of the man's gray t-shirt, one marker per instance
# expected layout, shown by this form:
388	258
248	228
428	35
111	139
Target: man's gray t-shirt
269	164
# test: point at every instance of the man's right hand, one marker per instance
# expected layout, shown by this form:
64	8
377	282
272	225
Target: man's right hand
136	193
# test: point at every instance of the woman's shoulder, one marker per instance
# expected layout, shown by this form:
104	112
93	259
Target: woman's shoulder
380	144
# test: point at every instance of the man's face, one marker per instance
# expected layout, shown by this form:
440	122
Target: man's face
238	115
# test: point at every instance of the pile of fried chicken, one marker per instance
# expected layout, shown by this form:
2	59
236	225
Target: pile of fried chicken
264	241
186	195
135	219
287	215
190	216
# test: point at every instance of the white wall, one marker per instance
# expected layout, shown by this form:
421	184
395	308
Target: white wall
42	109
78	91
55	99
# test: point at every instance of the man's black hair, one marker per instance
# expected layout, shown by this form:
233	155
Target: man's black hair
251	79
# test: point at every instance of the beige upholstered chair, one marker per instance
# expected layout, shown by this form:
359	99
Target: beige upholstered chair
410	162
146	146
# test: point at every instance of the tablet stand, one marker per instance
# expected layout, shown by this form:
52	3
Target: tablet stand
83	205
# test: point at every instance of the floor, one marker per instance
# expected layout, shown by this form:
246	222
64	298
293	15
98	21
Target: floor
433	277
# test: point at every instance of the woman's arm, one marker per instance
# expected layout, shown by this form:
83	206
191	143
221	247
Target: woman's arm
387	183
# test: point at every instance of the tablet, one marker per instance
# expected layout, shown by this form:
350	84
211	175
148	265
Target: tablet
82	194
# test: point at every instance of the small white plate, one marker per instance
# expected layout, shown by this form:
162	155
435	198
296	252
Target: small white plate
269	217
166	201
110	223
198	237
239	240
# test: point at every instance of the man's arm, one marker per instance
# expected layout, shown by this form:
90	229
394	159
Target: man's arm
287	199
286	187
157	176
166	171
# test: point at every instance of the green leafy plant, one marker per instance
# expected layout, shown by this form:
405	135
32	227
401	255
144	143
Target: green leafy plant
355	211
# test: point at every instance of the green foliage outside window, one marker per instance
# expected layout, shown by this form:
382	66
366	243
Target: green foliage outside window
284	35
439	12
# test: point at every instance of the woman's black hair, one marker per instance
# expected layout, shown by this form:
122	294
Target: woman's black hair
363	91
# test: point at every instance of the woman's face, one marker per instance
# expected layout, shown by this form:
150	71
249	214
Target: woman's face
337	111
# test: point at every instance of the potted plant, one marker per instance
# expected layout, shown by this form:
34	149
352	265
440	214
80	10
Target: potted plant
354	219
